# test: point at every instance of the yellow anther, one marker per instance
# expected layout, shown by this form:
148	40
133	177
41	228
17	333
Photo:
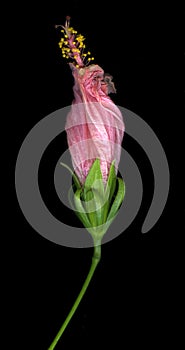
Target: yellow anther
75	48
80	38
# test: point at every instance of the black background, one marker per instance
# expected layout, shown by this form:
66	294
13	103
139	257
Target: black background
127	302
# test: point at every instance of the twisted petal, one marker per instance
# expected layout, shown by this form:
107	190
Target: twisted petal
94	125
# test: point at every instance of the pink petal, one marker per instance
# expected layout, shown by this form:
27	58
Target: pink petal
94	125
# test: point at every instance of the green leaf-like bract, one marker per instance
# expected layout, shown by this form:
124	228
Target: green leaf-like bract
97	203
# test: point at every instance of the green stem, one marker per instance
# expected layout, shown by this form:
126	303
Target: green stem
95	261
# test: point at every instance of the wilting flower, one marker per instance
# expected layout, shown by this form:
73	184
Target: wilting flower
94	125
95	132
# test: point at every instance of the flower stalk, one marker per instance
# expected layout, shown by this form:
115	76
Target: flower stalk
95	260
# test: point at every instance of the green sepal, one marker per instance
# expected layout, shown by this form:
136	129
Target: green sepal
110	189
111	181
93	194
80	211
93	175
96	204
117	202
90	207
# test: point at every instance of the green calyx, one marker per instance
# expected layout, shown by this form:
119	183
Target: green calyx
96	204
